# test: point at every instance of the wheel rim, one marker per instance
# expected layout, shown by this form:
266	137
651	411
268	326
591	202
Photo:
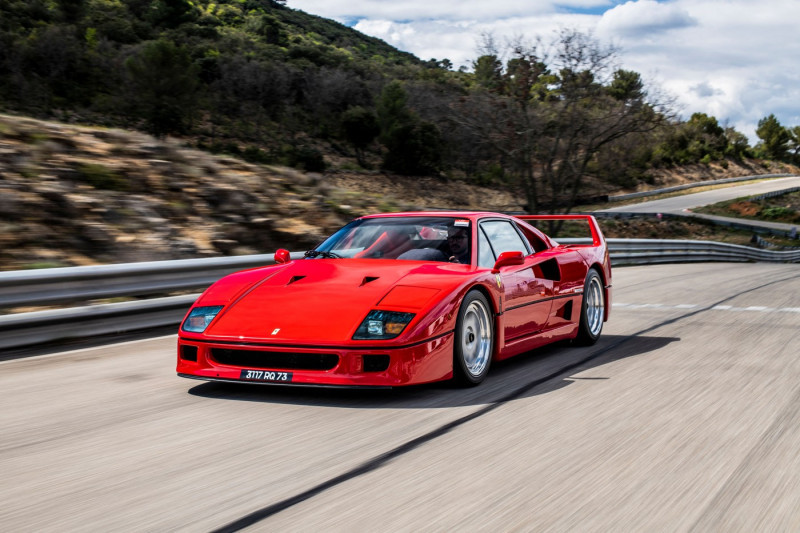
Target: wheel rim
595	306
476	338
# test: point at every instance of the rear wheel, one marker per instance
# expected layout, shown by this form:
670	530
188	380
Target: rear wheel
474	340
592	309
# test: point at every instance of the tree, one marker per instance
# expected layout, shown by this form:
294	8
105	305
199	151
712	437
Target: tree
794	143
414	148
488	71
360	128
392	110
774	138
738	144
550	116
626	85
170	13
162	86
71	10
708	137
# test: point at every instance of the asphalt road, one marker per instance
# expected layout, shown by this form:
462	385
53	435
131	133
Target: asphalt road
677	204
684	417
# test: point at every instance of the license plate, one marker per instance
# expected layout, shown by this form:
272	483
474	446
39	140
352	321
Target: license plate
266	375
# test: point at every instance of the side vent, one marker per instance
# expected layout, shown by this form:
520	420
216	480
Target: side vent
368	279
295	278
551	270
566	311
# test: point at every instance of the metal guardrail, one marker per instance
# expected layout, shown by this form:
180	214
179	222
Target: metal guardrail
774	194
80	285
693	185
40	327
76	284
647	252
735	223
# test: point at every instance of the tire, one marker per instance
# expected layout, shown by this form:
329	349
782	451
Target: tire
592	309
474	340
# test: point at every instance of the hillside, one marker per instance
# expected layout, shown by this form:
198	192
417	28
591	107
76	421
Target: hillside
239	126
72	195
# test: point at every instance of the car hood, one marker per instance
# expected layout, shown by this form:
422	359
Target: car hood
323	301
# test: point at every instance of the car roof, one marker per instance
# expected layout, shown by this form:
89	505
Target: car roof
471	215
447	214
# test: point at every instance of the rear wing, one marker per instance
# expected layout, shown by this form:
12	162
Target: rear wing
597	236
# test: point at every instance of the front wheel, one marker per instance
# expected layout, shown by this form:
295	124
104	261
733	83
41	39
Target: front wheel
592	309
474	340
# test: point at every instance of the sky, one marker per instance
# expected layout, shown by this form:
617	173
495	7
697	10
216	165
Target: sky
737	60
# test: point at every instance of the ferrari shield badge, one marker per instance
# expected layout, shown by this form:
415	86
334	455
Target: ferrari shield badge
499	281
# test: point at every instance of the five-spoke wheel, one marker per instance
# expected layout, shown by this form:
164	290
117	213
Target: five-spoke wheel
592	310
474	339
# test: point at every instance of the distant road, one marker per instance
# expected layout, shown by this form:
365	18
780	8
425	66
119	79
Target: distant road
680	205
684	417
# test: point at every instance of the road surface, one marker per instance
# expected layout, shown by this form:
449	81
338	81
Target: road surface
684	417
680	205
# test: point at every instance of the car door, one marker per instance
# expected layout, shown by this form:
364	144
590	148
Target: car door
526	298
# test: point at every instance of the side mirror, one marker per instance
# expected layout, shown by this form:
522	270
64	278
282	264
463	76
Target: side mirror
508	259
282	256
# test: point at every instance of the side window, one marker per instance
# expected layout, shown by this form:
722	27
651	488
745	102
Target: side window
504	237
486	256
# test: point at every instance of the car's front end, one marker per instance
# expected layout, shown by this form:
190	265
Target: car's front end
335	322
363	366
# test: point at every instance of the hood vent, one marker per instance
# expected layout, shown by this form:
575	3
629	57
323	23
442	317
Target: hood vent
368	279
295	278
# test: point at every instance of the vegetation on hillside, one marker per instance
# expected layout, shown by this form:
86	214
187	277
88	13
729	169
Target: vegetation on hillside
783	208
261	81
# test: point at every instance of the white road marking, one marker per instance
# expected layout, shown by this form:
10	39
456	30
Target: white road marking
752	308
91	348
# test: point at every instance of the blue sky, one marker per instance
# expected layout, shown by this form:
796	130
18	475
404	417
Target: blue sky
738	60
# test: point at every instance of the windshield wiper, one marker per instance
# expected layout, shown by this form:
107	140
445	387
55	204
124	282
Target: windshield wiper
318	253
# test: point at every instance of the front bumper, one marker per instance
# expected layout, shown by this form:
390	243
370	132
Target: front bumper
424	362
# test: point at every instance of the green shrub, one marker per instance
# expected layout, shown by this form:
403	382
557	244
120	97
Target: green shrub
253	154
102	177
777	212
307	158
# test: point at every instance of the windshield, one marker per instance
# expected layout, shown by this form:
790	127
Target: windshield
411	238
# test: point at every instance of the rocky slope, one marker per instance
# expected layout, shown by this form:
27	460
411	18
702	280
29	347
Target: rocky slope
72	195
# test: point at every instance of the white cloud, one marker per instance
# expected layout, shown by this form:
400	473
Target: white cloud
459	41
643	17
415	10
734	59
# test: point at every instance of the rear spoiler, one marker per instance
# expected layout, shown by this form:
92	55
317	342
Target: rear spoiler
597	235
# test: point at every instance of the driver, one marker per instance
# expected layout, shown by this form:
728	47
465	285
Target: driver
458	241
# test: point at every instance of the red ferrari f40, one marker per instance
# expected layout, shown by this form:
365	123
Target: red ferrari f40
400	299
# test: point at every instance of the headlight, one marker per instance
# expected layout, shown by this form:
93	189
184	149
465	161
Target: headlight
382	325
200	317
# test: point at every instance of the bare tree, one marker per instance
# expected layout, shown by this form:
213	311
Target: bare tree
551	111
